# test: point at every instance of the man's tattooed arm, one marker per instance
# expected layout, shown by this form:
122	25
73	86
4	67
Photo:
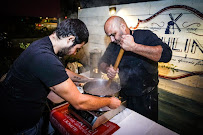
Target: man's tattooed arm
76	77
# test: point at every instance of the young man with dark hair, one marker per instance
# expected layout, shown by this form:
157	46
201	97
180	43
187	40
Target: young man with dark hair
38	73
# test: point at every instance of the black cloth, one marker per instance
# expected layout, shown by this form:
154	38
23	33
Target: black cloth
138	75
26	86
147	104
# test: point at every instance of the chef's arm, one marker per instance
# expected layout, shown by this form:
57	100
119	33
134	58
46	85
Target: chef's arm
69	92
73	76
76	77
150	52
54	98
159	53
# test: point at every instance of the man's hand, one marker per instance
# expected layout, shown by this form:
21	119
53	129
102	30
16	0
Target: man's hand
111	73
115	103
127	42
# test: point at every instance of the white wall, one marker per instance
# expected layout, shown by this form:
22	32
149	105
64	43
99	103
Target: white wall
186	57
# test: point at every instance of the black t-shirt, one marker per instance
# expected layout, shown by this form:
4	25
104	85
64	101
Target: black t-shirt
27	84
137	74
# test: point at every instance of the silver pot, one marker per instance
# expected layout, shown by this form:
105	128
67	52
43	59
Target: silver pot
99	88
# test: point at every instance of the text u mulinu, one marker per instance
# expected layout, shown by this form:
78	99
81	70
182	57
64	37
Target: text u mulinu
190	46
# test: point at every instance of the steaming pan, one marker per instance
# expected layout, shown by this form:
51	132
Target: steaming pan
99	88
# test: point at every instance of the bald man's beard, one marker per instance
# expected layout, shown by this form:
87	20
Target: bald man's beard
64	51
119	41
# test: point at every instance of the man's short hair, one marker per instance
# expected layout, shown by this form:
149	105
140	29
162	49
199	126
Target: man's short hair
74	27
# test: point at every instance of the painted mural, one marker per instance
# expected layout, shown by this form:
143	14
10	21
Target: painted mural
181	27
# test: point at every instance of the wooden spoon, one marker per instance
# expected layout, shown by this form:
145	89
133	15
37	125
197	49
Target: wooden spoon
120	55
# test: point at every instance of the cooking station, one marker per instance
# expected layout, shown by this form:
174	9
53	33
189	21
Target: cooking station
95	118
126	120
104	120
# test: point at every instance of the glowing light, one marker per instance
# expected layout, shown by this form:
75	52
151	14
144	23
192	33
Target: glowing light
112	11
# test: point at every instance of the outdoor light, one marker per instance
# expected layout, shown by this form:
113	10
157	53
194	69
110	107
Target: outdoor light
78	8
112	10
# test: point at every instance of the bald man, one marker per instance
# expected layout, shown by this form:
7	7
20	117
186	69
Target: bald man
138	69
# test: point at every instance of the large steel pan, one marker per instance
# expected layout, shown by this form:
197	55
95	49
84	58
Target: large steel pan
99	88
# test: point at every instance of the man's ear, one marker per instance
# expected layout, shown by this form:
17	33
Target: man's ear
123	27
71	38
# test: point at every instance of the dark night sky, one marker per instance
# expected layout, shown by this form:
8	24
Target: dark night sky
34	8
52	8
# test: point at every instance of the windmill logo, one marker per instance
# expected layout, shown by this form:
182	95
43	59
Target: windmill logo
171	24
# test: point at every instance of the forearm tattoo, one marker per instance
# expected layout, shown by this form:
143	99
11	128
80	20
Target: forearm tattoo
76	77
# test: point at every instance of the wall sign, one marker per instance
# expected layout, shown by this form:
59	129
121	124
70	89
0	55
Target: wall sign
181	27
